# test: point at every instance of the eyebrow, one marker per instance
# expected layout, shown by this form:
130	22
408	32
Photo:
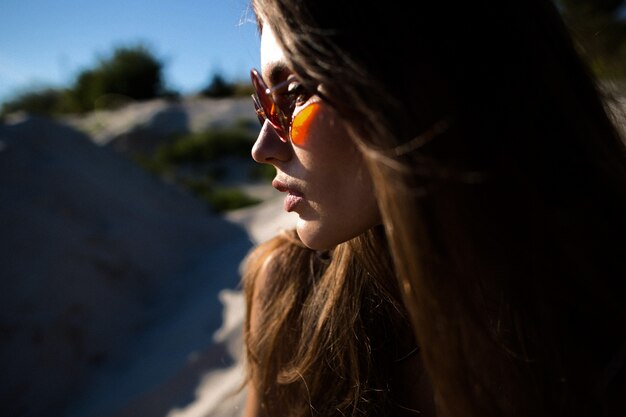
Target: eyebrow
276	73
259	24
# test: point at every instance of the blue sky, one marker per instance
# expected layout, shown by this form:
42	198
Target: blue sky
46	43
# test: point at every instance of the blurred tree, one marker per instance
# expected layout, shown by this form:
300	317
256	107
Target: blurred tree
87	88
243	89
218	87
600	31
46	101
131	72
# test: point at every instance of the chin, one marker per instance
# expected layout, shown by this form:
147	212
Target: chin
316	238
314	242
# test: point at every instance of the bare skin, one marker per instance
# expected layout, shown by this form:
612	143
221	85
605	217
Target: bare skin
335	197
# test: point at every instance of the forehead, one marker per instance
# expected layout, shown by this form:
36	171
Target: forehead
273	63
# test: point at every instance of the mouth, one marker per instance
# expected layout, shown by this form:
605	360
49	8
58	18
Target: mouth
293	198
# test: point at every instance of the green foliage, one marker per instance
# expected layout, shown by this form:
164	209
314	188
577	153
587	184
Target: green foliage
190	160
49	101
153	165
219	198
203	147
201	187
130	72
224	199
247	124
263	172
218	88
243	89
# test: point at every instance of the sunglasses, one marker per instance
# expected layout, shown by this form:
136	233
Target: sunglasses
294	127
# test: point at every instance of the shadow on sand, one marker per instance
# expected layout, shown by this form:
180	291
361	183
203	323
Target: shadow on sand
109	279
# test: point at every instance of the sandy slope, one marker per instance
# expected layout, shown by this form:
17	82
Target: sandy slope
204	381
213	375
142	123
118	293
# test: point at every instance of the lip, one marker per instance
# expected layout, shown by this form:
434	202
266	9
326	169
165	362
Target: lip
294	196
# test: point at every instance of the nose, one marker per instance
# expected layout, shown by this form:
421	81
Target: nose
269	148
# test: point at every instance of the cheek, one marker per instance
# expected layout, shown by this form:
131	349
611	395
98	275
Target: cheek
328	148
340	194
337	168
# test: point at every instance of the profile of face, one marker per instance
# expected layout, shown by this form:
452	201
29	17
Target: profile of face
317	164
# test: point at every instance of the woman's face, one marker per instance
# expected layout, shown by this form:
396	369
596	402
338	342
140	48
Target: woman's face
324	175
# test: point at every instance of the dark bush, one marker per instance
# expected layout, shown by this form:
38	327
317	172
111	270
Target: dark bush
130	73
243	89
219	198
193	162
218	88
204	147
262	172
224	199
49	101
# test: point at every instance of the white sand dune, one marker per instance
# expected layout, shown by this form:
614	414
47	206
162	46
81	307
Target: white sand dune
141	123
212	373
219	394
118	294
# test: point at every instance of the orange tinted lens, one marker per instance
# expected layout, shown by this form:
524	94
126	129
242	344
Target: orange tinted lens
265	100
302	123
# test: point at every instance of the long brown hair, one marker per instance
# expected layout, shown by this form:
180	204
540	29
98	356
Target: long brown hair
502	185
330	327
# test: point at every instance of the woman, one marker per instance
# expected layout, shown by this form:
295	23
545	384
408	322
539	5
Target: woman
473	135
